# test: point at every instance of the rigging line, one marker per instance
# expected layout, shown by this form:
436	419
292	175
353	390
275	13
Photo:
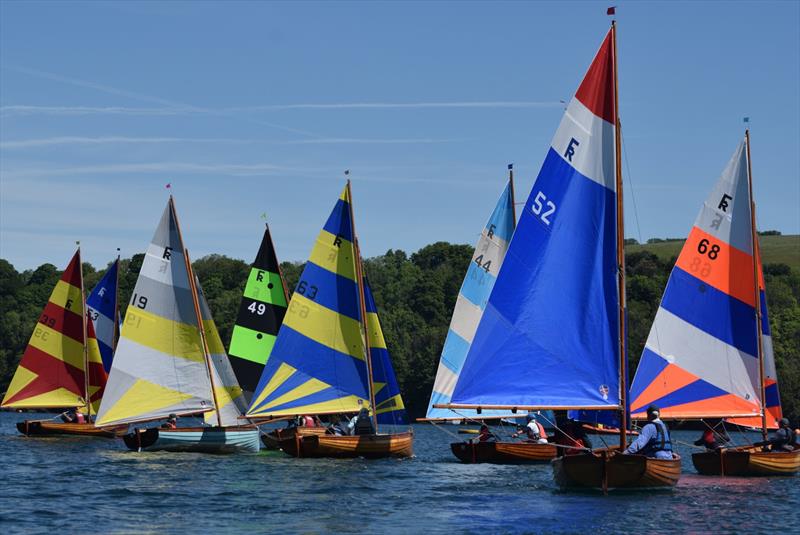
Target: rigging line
436	426
555	426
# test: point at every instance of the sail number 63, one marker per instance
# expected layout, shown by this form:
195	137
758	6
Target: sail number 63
542	207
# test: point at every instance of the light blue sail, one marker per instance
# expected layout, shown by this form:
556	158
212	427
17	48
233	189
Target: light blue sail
101	305
472	298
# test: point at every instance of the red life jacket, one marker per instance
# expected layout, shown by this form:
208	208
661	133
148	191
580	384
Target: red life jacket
80	418
308	421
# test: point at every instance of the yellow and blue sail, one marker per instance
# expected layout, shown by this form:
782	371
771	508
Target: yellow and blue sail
470	304
101	306
317	364
549	336
390	408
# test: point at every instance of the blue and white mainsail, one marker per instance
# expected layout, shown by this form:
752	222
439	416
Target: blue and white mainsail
550	334
470	304
101	305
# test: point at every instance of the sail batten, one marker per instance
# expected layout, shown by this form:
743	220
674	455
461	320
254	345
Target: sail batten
549	335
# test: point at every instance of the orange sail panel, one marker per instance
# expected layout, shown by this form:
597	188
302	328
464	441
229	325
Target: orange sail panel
51	371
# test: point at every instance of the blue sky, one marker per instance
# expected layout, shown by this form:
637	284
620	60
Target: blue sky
258	107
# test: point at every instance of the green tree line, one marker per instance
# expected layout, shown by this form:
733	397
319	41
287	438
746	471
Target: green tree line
415	295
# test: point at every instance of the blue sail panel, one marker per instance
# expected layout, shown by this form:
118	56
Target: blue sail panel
101	306
481	275
549	334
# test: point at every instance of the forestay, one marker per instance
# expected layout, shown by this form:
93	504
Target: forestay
549	336
470	304
318	362
159	367
701	357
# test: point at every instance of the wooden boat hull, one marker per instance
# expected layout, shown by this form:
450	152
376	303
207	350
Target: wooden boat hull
749	461
270	440
615	471
52	428
195	439
368	446
503	452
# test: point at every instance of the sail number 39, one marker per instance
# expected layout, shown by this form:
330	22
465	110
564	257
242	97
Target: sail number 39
543	208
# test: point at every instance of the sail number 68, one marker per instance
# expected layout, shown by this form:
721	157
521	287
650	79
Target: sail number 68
539	204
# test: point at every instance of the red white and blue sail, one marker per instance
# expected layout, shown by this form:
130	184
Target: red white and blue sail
549	336
101	306
470	304
701	357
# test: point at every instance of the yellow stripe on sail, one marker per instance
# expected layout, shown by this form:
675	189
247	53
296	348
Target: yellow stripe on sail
375	332
344	196
57	345
312	386
67	296
165	336
224	396
60	397
344	404
325	326
143	397
94	352
281	375
21	378
336	259
213	340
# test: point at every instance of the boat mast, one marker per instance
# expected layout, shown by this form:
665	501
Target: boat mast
757	292
623	417
198	314
85	317
511	187
363	304
116	309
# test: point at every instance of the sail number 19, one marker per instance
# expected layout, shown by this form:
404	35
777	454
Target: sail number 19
543	208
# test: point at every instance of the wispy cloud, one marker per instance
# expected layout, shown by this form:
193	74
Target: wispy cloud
107	140
228	169
22	109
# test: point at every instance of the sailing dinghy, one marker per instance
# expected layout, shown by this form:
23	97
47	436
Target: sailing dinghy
329	357
552	335
170	359
709	352
61	363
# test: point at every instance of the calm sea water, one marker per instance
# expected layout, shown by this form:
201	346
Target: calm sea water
74	485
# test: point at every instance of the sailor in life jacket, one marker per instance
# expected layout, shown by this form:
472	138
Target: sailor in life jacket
73	416
784	438
533	430
654	438
361	424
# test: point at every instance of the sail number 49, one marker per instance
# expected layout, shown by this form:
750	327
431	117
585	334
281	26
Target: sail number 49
543	208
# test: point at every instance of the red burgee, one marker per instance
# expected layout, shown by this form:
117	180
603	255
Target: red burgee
597	89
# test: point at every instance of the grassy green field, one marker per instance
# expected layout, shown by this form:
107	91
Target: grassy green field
774	249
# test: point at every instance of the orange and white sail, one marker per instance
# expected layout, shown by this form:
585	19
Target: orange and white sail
701	357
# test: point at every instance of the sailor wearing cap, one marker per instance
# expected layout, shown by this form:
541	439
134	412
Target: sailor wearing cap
653	439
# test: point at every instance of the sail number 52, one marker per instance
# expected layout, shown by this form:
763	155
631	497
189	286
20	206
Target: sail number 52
542	207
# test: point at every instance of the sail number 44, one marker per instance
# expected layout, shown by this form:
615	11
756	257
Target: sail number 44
543	208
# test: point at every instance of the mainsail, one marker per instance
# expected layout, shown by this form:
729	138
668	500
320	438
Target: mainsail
261	313
53	370
470	304
317	364
101	305
701	357
159	367
550	334
390	408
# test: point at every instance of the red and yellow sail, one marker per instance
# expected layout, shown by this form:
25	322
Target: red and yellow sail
52	371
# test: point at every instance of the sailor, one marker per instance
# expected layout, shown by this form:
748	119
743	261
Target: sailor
171	423
784	438
72	416
533	430
485	435
712	439
308	421
572	434
361	424
654	438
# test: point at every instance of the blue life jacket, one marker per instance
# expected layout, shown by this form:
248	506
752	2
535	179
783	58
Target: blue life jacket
660	442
